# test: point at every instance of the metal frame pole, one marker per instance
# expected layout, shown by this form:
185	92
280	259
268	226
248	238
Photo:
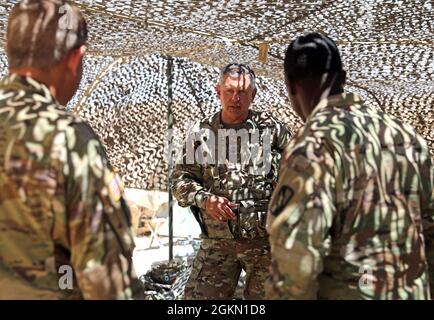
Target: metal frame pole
169	73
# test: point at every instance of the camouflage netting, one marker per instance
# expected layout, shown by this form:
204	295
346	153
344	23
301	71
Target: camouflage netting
387	47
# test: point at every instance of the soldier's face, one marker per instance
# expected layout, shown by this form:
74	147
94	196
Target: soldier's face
236	94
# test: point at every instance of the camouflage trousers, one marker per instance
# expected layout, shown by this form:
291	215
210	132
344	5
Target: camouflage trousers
218	264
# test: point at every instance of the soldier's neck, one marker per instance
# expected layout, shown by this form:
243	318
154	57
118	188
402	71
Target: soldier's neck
43	77
231	121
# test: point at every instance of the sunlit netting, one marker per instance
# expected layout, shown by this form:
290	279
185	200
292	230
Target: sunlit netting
380	38
387	47
129	111
126	103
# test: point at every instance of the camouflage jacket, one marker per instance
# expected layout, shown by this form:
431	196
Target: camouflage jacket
241	163
352	214
60	204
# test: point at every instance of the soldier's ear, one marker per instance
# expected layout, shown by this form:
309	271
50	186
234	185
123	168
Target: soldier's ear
217	89
343	77
74	59
254	93
290	86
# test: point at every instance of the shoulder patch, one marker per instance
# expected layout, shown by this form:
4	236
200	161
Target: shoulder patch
283	196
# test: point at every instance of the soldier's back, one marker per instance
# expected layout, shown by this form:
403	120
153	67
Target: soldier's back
33	226
377	247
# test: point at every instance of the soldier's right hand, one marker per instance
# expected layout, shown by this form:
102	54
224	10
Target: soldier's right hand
220	208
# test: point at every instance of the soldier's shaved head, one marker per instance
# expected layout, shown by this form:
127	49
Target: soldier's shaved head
42	32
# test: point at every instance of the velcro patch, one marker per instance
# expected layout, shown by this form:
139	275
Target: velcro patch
284	195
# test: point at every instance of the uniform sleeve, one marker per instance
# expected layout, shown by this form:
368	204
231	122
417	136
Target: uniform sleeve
100	236
300	216
427	207
187	180
284	135
187	187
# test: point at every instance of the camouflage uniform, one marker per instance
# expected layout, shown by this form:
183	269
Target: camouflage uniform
353	210
227	247
60	204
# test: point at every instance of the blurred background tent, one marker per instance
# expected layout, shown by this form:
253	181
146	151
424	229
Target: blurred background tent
138	49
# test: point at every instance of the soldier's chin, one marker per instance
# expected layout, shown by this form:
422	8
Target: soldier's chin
235	109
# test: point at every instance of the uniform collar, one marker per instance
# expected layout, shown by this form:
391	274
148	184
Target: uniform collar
29	86
247	123
337	100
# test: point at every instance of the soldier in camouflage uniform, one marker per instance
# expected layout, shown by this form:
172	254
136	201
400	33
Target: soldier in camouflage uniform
61	209
230	194
352	214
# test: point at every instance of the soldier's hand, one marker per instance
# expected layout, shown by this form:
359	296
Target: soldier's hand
220	208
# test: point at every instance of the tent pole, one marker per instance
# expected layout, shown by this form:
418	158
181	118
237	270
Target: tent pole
169	73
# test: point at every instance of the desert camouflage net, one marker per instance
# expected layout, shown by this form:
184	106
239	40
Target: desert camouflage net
387	48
